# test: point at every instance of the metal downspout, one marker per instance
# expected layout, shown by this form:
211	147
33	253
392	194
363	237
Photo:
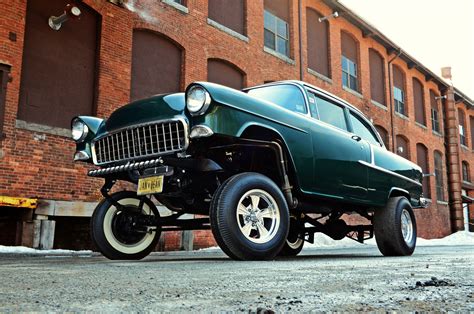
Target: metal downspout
300	31
392	128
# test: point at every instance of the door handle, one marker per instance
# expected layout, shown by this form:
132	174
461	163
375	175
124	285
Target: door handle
356	138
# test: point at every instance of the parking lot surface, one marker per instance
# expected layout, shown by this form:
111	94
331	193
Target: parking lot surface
435	278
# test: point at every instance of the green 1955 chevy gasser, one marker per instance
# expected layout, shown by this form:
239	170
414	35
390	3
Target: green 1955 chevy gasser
269	165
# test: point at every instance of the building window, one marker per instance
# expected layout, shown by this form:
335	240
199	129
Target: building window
318	42
462	127
403	148
224	73
419	101
435	125
399	91
349	74
58	79
383	134
277	34
465	172
230	13
422	161
349	59
164	76
438	161
399	99
377	77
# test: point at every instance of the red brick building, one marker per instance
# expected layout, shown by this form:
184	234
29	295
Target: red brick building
118	52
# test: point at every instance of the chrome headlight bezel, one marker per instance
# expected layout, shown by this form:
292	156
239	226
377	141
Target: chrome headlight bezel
198	100
79	130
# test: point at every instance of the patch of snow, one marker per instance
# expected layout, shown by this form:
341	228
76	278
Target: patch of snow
27	250
457	238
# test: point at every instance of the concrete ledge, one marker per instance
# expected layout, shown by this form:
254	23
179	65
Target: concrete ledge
35	127
377	104
353	92
227	30
177	6
279	55
65	208
320	76
402	116
421	125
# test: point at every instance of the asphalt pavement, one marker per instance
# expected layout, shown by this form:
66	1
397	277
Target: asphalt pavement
436	278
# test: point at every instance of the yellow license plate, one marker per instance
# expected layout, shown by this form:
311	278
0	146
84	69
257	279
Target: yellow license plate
150	185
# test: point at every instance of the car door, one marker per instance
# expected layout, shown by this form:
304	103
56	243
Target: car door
337	152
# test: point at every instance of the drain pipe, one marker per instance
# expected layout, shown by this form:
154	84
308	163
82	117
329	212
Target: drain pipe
300	31
391	98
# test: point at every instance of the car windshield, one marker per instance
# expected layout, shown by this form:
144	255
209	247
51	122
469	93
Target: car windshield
286	96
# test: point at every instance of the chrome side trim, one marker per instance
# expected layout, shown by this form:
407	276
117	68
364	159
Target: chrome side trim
373	166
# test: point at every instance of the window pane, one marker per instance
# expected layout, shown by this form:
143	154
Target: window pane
282	28
282	46
269	21
269	39
363	130
344	64
331	113
352	68
286	96
353	83
345	79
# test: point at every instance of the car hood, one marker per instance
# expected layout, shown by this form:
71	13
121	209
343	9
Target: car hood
159	107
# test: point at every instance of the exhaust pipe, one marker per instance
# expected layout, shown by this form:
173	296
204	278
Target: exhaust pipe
70	11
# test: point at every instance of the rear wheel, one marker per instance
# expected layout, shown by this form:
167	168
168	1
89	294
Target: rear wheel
249	217
120	233
395	228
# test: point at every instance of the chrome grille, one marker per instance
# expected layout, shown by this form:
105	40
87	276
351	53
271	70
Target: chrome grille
141	141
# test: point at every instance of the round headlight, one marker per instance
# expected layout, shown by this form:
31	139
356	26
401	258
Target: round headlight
197	100
79	130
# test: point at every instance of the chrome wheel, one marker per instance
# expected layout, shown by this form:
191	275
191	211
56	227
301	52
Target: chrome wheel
407	226
258	216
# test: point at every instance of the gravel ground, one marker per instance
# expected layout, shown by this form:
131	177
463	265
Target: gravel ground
355	279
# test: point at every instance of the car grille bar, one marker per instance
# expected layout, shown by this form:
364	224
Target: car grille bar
143	141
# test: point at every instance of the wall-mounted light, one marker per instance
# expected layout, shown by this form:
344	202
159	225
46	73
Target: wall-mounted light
429	175
440	97
400	150
333	15
70	11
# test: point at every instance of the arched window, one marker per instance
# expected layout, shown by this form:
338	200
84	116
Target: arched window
349	61
399	98
438	162
403	148
230	13
466	175
156	65
435	113
422	161
276	26
462	127
419	101
383	134
377	77
318	42
59	67
225	73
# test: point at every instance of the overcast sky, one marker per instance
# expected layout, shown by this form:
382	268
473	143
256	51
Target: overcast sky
437	33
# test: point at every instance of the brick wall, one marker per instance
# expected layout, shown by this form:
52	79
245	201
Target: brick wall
39	164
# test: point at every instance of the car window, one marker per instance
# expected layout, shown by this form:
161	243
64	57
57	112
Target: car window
329	112
286	96
363	130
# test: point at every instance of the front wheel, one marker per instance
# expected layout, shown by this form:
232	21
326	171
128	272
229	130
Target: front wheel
123	233
249	217
395	228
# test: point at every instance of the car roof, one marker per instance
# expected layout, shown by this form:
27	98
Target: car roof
307	85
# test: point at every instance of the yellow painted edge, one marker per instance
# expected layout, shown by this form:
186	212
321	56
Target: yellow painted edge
20	202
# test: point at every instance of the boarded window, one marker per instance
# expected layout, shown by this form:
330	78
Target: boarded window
466	176
59	67
462	127
318	44
349	62
230	13
435	114
383	134
422	161
438	161
279	8
224	73
156	65
403	148
419	102
377	77
399	91
4	73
